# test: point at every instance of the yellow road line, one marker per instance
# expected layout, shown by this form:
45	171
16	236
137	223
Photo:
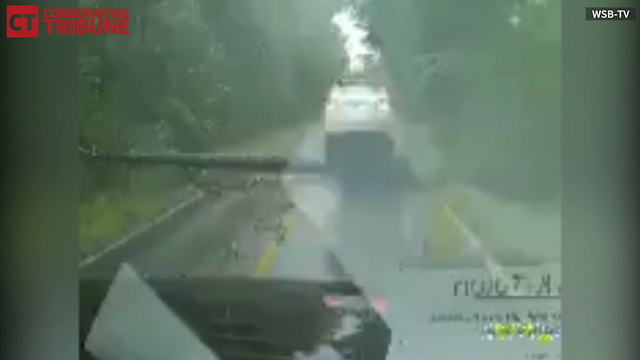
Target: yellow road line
452	234
457	234
490	263
446	242
268	257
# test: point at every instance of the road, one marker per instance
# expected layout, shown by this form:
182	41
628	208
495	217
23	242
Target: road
378	241
381	242
197	241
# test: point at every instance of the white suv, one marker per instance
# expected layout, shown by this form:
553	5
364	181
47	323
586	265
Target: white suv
358	116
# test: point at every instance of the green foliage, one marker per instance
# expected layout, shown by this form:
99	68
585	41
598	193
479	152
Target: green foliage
200	74
111	214
212	72
495	111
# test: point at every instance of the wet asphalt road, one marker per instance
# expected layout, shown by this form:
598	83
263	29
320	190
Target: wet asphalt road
197	241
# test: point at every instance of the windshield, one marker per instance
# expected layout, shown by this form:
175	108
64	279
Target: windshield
441	200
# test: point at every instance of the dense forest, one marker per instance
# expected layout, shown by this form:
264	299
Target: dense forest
198	75
192	76
486	76
201	74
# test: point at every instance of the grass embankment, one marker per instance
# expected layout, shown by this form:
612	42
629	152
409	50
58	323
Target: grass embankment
106	217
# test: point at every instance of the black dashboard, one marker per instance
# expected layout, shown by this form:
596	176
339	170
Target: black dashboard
245	318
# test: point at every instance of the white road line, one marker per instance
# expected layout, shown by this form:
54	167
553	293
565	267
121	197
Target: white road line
147	226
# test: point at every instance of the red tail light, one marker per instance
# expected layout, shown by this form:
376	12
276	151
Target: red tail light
330	301
380	305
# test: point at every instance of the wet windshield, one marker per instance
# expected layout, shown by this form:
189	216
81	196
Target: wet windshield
436	125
